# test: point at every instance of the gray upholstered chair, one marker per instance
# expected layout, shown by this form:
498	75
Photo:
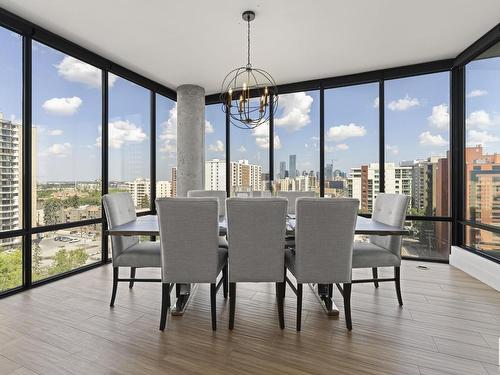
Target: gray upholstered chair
324	235
243	194
256	233
221	199
127	250
292	196
190	252
383	251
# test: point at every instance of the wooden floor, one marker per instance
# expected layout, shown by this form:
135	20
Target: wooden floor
450	324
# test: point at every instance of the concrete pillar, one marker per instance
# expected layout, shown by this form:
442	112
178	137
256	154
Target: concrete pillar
190	138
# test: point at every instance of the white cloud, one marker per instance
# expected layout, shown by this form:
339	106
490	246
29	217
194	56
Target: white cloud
480	119
403	104
168	135
75	70
209	129
341	132
314	138
440	118
341	147
428	139
55	132
121	132
393	149
62	106
242	149
218	146
477	93
475	137
60	150
296	108
376	102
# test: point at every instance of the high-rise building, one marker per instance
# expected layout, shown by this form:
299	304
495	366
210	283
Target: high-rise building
482	194
139	189
215	174
363	182
174	182
282	169
329	172
292	171
10	175
245	176
163	189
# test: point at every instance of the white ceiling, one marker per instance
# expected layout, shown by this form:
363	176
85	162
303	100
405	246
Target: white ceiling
198	42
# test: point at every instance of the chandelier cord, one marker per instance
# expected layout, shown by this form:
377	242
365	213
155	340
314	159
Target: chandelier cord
248	43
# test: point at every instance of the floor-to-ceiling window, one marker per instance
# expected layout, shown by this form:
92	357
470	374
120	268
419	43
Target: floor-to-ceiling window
66	161
482	153
352	143
166	147
417	145
11	84
296	143
129	140
215	148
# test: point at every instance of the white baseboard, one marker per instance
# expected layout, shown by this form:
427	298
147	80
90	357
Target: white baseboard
477	266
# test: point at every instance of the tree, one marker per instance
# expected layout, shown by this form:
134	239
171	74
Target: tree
73	201
36	261
11	269
65	261
51	211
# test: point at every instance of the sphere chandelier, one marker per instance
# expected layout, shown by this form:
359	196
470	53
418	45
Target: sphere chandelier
249	95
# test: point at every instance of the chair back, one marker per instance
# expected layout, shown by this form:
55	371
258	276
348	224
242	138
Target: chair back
243	194
261	194
256	236
189	239
324	236
219	194
292	196
119	209
390	209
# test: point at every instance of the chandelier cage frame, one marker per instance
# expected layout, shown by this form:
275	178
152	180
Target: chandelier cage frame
249	95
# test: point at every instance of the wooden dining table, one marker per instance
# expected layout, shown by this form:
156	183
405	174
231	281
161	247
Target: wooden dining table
147	225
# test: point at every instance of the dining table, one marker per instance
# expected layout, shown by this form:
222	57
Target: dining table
147	225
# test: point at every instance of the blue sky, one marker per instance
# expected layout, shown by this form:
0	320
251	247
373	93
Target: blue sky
67	115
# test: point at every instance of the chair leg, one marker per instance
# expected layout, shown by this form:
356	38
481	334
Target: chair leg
299	306
397	276
132	276
375	276
347	305
165	304
281	315
232	304
284	289
225	281
115	286
213	294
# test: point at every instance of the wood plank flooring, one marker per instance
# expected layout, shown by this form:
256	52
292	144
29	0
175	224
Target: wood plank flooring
450	324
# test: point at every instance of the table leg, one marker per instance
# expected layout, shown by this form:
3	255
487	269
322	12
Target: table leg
324	294
183	292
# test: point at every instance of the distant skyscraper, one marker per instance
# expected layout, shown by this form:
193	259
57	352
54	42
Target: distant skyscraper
329	172
282	169
139	189
245	176
292	172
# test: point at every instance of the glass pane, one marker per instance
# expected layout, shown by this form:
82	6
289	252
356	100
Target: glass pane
166	147
249	159
64	250
483	241
66	139
11	263
215	148
482	154
296	142
129	140
351	143
427	239
417	133
10	132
